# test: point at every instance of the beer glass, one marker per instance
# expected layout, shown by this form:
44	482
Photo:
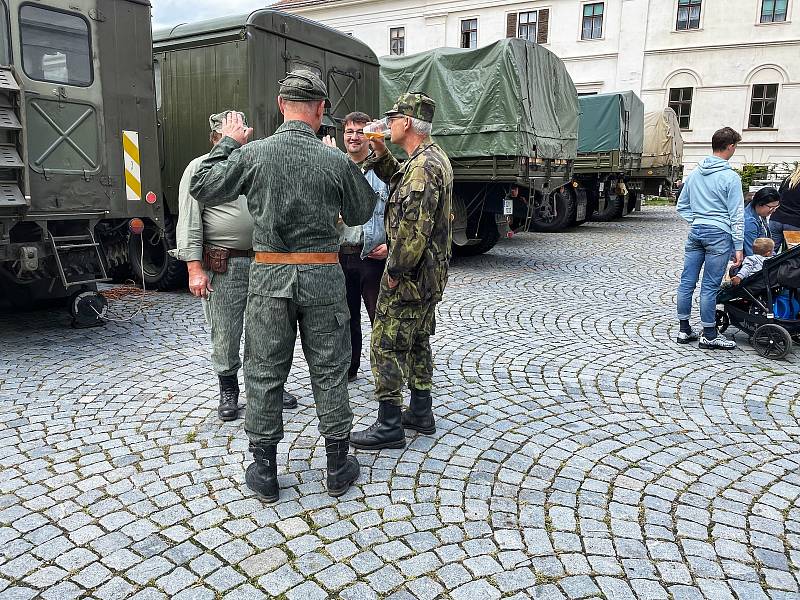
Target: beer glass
377	130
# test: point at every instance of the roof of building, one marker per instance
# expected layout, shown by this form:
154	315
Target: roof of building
281	4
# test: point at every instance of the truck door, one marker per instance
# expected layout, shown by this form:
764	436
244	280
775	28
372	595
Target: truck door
63	98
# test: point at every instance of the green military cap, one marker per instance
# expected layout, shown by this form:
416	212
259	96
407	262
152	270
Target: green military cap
302	85
215	121
414	104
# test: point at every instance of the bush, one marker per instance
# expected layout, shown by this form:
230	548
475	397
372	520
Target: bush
750	172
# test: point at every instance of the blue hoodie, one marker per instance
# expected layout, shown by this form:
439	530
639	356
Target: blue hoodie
712	195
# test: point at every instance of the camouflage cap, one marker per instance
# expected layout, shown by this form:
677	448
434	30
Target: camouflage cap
215	121
302	85
414	104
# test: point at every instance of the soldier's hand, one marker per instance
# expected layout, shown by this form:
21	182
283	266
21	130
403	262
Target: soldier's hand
329	141
233	127
392	282
379	252
199	283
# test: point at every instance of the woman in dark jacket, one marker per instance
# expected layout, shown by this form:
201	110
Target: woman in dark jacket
763	204
787	217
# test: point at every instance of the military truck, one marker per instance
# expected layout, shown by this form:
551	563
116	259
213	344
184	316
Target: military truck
78	145
662	155
507	116
610	144
235	62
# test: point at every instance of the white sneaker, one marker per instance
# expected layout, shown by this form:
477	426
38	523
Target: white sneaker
718	343
687	338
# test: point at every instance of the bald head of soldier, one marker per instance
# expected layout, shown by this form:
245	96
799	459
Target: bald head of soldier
303	97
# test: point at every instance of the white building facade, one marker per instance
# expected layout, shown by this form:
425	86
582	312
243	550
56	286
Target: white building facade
716	62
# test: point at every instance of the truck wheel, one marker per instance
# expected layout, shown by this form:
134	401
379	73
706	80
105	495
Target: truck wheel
159	270
615	208
487	232
545	219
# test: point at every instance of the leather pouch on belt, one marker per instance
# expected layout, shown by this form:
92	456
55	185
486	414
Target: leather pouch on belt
215	258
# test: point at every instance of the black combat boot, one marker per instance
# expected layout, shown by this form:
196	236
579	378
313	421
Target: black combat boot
343	470
228	409
419	415
386	432
289	401
262	475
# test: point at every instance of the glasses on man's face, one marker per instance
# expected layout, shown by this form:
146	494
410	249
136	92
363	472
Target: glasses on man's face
354	132
773	207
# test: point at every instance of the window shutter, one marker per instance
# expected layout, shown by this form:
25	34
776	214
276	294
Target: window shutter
543	26
511	25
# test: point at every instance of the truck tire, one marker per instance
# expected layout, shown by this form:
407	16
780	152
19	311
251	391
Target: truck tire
544	219
615	208
159	270
488	234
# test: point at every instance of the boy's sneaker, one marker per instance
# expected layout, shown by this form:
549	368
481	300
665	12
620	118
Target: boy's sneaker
718	343
686	338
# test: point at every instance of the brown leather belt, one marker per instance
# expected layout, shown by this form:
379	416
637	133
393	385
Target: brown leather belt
297	258
234	253
351	249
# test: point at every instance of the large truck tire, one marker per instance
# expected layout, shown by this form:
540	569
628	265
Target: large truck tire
488	234
545	219
615	209
159	270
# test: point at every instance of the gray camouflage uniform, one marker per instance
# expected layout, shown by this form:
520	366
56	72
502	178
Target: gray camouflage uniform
296	187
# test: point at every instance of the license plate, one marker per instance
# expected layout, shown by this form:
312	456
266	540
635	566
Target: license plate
508	206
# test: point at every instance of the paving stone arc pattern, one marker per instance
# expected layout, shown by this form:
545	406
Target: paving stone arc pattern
579	452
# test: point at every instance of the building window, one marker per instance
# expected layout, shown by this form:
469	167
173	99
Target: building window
397	41
592	21
773	11
680	100
55	46
688	15
469	33
527	26
762	105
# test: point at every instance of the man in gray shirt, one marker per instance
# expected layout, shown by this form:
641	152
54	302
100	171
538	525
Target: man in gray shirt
223	229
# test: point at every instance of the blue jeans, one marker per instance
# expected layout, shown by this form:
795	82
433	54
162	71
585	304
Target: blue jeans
707	248
776	230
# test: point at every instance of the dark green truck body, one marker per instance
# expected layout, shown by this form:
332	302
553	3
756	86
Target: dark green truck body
507	116
75	75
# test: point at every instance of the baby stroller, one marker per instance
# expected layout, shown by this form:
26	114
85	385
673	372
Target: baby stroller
766	305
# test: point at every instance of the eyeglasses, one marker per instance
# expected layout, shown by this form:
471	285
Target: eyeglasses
354	132
393	117
774	206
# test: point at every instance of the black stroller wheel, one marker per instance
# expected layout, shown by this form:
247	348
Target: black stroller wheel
772	341
723	321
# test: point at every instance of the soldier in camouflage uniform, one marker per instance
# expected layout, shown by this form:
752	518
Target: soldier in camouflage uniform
296	187
419	235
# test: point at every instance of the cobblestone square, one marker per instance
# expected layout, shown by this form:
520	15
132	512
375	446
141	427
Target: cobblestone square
579	452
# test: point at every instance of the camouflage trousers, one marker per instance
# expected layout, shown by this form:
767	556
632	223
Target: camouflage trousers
400	351
224	312
272	325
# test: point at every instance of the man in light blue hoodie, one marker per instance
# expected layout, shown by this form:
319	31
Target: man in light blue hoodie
712	203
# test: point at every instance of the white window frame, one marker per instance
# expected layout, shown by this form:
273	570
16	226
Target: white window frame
405	39
674	26
532	10
604	21
477	30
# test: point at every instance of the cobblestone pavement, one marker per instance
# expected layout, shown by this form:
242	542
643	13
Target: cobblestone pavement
579	453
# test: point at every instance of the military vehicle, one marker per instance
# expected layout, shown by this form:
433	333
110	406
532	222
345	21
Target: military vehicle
78	145
610	144
507	116
662	155
235	62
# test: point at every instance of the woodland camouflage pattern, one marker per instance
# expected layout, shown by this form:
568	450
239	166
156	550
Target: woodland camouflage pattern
419	236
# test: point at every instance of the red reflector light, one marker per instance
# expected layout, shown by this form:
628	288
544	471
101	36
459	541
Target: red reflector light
136	226
151	198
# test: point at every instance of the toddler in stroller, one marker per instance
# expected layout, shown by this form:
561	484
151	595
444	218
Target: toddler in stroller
766	305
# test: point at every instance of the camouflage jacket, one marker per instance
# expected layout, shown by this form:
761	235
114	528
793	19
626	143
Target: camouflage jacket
418	227
296	187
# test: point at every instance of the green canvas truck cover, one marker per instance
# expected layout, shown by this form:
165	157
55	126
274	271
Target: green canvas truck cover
511	98
612	121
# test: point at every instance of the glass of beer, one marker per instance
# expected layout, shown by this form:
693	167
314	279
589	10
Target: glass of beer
377	130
